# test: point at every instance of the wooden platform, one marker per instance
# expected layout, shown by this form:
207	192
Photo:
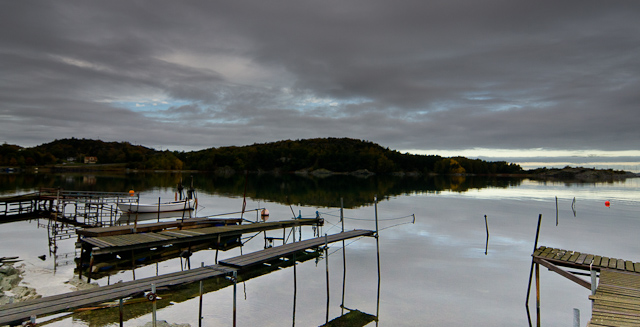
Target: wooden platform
17	312
583	261
617	299
259	257
117	243
154	227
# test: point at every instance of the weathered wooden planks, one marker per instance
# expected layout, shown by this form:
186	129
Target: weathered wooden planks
584	260
126	242
275	252
617	299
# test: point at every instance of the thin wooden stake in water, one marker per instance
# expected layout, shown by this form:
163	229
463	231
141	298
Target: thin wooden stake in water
344	256
326	259
201	291
158	209
535	246
556	211
486	247
375	201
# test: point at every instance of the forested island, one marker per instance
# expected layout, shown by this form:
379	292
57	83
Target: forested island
319	156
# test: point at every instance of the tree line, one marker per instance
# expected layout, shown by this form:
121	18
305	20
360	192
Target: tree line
338	155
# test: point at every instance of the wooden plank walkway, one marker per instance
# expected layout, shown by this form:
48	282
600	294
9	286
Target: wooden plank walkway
617	299
53	304
154	227
259	257
117	243
58	303
583	261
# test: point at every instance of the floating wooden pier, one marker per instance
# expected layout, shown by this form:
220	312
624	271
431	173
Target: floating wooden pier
616	299
117	243
17	312
179	224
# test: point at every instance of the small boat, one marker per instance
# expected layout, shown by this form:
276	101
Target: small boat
186	204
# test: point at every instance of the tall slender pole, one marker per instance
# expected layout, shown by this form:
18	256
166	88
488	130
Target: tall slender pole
158	209
535	246
538	295
153	317
375	200
326	259
235	283
344	256
201	291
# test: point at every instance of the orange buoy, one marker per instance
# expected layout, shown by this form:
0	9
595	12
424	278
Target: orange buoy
131	192
264	214
607	203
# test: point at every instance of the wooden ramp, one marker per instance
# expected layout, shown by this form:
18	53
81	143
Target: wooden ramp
17	312
617	299
117	243
259	257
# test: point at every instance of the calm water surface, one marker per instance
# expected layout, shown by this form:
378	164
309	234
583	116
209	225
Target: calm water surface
434	272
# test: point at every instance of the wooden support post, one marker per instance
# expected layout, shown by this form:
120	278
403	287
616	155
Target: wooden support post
535	246
378	256
153	317
326	259
235	283
537	295
344	257
90	267
121	313
158	209
201	292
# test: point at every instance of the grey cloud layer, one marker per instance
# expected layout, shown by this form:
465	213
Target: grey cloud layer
405	74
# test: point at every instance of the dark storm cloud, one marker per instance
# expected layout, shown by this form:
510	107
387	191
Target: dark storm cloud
407	74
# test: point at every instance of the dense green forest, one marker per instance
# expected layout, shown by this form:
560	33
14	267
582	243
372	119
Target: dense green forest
337	155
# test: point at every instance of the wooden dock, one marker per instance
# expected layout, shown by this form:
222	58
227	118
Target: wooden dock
117	243
179	224
616	300
259	257
17	312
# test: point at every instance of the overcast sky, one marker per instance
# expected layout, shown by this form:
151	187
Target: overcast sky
458	76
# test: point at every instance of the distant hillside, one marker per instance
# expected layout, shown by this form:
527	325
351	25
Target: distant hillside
326	155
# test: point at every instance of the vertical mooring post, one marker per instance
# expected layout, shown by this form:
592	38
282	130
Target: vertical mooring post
235	284
326	259
121	312
344	257
201	292
153	316
537	294
535	247
375	200
158	209
556	211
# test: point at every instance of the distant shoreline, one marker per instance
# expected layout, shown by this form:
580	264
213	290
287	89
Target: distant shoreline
579	174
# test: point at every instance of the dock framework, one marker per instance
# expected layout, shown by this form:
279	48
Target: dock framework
614	284
16	313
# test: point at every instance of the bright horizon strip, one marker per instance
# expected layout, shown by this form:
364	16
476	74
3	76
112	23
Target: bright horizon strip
525	153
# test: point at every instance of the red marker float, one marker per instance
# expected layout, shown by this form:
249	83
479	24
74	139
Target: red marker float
607	203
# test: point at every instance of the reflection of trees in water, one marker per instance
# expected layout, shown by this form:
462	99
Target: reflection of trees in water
285	189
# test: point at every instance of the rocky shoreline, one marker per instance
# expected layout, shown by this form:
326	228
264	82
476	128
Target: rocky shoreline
10	289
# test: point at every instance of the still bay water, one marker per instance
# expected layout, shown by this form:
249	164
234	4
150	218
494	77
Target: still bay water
436	271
